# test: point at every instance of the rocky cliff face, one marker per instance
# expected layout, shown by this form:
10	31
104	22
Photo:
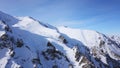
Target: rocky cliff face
28	43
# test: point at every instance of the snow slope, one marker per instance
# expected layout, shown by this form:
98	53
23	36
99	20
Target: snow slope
28	43
88	37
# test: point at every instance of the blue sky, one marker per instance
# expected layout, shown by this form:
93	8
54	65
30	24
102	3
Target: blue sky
99	15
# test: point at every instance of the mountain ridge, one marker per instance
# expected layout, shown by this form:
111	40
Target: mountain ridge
28	43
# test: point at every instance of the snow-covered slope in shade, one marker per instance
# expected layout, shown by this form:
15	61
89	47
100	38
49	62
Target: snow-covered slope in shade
7	18
28	43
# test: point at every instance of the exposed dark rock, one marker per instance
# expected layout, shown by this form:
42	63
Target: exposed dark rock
101	43
19	43
55	66
4	37
36	60
7	28
71	66
62	39
112	62
12	54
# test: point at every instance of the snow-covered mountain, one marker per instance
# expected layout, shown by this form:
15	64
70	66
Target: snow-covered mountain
28	43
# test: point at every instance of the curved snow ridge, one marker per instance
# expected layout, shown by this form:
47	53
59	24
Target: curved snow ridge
33	26
113	51
87	37
29	19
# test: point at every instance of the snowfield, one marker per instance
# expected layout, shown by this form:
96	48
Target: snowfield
28	43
